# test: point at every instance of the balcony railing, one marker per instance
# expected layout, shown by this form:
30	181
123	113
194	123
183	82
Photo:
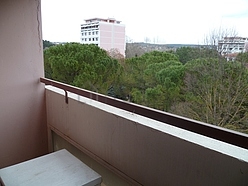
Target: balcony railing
143	146
215	132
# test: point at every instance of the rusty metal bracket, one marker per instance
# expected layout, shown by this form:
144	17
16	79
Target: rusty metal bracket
66	97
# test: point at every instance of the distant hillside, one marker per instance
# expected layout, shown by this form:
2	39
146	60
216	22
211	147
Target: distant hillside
137	49
164	45
181	45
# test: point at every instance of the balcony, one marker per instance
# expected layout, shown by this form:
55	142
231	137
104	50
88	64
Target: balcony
139	148
126	144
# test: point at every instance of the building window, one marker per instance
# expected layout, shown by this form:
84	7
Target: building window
82	39
85	39
89	39
96	32
96	38
93	33
86	33
89	33
82	34
93	39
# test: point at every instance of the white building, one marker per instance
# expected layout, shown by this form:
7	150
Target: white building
106	33
230	47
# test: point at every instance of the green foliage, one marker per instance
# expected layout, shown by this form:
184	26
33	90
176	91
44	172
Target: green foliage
242	58
153	79
193	82
156	97
47	44
85	66
216	92
186	54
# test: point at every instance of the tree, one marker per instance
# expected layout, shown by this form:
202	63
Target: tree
242	58
147	40
186	54
47	44
153	79
216	40
133	50
213	37
129	39
115	53
135	67
85	66
216	92
164	80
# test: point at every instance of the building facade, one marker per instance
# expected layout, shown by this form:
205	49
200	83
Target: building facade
126	143
106	33
230	47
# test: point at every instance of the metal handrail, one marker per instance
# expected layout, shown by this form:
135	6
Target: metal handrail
212	131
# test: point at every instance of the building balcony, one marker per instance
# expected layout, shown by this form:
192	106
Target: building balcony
126	144
139	145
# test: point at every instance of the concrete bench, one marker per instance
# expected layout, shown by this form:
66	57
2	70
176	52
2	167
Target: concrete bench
60	168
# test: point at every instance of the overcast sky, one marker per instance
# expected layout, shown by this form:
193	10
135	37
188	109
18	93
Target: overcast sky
169	22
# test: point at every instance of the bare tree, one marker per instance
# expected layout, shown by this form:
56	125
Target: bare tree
214	36
216	96
115	53
154	40
221	40
129	39
216	89
147	40
246	46
134	50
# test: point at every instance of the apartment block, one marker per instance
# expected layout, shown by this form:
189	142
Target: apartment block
230	47
106	33
42	121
